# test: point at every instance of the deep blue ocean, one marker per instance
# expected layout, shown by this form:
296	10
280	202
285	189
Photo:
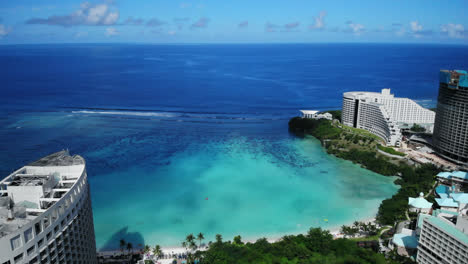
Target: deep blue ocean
193	138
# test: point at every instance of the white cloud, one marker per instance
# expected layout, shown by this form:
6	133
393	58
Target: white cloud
110	31
415	26
453	30
355	28
4	30
417	29
87	14
319	21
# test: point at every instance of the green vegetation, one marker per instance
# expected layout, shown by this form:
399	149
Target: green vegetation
358	147
336	114
317	246
368	230
390	151
412	181
417	128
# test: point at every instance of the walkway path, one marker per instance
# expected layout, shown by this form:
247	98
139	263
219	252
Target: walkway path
432	189
407	216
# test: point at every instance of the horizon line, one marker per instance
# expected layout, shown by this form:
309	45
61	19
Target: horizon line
238	43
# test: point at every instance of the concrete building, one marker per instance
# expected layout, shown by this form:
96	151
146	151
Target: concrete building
405	242
458	180
443	240
313	114
450	138
382	114
45	213
419	204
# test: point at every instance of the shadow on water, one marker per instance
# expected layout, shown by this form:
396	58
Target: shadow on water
113	243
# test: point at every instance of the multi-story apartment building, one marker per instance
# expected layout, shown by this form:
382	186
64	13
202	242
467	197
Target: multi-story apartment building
442	241
45	213
381	113
450	137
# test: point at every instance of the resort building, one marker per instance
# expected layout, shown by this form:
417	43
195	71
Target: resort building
444	239
382	114
313	114
458	180
450	138
45	213
419	204
405	242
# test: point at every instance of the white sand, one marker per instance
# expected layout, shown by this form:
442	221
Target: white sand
180	250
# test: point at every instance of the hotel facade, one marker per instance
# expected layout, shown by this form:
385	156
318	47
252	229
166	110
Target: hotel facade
442	241
450	138
382	113
45	213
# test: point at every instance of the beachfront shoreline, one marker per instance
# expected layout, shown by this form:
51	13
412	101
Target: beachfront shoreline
178	250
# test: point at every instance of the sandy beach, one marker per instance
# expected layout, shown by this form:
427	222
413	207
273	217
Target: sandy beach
177	250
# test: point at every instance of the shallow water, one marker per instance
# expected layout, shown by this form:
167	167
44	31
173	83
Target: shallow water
155	181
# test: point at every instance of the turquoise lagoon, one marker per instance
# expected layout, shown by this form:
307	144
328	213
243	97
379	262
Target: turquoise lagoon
157	177
232	184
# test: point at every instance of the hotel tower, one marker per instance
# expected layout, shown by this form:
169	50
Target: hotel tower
45	213
450	137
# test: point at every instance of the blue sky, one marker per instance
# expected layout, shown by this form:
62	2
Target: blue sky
236	21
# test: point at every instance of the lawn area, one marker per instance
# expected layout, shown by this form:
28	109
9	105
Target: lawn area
391	151
362	132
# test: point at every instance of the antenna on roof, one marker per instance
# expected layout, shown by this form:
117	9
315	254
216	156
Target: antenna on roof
11	213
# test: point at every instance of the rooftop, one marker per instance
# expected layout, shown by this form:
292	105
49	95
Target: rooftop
460	175
460	197
446	202
404	240
419	202
454	78
309	112
438	212
61	158
448	228
32	189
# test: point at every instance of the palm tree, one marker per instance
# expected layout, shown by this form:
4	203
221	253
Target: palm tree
190	238
122	245
157	251
129	247
146	249
200	237
356	224
193	245
184	245
219	238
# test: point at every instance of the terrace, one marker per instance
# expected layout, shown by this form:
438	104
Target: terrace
32	189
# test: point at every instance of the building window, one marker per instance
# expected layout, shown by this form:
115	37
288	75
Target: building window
15	242
40	242
54	215
18	258
30	250
38	228
46	221
28	235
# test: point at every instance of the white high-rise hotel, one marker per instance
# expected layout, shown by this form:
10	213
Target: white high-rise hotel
382	113
45	213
